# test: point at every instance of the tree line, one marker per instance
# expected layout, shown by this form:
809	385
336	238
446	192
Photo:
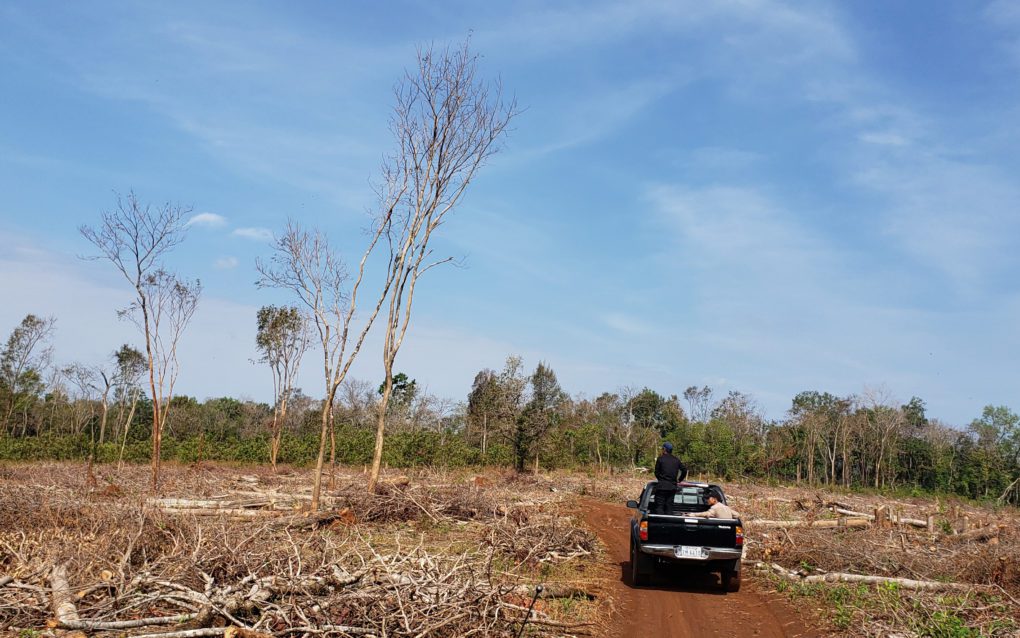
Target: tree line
511	417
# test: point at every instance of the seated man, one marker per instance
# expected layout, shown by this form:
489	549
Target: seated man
716	509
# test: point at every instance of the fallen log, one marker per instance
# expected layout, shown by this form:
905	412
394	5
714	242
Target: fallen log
982	534
63	602
892	518
187	633
230	512
187	503
828	522
344	629
905	583
841	577
113	625
226	632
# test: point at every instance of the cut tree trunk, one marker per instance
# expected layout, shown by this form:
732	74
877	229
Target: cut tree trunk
982	534
900	520
831	522
63	601
838	577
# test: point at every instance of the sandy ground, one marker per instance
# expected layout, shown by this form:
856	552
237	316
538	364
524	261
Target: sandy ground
680	604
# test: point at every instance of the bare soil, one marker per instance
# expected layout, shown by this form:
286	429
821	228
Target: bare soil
682	604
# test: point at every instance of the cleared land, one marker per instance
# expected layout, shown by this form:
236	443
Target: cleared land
234	551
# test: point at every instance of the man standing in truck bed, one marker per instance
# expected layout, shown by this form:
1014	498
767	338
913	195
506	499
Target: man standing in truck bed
669	471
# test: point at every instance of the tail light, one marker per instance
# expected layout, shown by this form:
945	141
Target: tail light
740	536
643	531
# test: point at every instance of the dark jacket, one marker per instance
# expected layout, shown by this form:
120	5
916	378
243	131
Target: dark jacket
669	470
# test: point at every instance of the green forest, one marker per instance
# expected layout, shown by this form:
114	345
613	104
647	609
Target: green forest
513	416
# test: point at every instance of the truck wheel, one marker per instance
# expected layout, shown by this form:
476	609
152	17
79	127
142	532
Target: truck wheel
638	566
730	575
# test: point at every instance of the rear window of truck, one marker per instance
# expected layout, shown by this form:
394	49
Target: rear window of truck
691	498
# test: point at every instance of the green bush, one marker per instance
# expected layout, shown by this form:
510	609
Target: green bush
354	446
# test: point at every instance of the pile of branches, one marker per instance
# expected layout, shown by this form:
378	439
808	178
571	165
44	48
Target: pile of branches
398	502
408	593
71	561
540	538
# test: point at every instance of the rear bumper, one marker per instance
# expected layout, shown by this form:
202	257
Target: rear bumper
714	553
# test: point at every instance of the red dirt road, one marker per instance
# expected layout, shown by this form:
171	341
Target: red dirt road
681	605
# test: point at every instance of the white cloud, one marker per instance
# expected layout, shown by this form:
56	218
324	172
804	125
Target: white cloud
211	220
254	233
603	110
226	263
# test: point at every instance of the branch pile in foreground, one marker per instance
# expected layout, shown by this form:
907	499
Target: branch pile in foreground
116	567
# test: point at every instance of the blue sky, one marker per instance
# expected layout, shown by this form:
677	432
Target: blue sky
748	195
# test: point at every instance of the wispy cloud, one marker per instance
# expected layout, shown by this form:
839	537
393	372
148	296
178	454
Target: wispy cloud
211	220
603	111
254	233
226	263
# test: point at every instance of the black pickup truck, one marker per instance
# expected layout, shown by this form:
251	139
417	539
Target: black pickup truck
710	544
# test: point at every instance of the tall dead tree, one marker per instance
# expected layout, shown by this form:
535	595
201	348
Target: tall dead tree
85	381
447	122
282	339
305	264
135	238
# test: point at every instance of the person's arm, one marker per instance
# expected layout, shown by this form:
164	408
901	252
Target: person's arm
681	474
658	468
709	513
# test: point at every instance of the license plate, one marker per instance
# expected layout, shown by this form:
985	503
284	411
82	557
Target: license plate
685	551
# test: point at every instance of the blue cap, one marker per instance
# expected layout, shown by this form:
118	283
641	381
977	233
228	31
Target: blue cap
667	446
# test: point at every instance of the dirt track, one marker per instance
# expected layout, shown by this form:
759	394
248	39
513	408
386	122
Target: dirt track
682	605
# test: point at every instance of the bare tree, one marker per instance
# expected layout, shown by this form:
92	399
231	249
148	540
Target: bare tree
699	400
358	402
446	122
886	424
282	338
85	380
135	238
304	263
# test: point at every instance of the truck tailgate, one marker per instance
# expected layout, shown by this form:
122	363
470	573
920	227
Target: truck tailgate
677	530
